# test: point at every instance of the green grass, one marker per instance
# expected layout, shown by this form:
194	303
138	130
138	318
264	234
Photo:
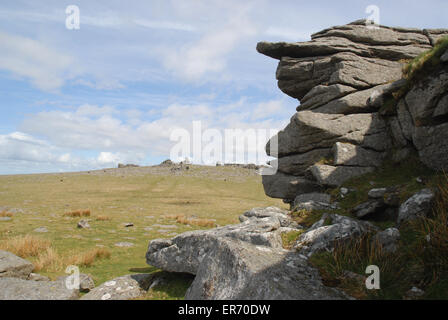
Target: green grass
288	238
401	176
426	62
306	218
417	262
415	70
217	193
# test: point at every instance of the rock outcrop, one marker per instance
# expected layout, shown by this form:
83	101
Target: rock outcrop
244	261
17	282
323	237
121	288
343	78
419	205
12	266
19	289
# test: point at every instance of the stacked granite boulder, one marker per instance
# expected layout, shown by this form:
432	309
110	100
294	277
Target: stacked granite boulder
341	78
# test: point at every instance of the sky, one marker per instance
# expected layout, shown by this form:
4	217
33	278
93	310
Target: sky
115	90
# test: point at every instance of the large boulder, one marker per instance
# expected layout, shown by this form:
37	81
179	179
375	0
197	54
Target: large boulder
322	94
346	79
435	35
185	252
417	206
237	270
332	176
310	130
426	100
422	116
321	237
313	201
86	282
269	212
360	101
19	289
297	76
351	155
331	45
244	261
388	239
432	145
298	163
121	288
13	266
286	186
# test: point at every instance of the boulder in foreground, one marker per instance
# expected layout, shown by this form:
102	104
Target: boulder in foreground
19	289
121	288
244	261
13	266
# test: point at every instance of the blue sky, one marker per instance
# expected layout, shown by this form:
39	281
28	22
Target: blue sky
114	90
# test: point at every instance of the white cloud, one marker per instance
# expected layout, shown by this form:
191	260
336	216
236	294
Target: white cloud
21	146
46	68
288	33
107	157
113	159
209	54
92	110
19	150
167	25
119	138
100	84
270	109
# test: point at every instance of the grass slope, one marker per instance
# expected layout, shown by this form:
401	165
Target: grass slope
150	199
420	261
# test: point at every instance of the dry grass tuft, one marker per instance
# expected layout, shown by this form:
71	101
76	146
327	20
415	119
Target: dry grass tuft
422	65
86	259
426	60
78	213
182	219
51	260
103	218
289	238
47	257
421	259
25	246
6	214
305	218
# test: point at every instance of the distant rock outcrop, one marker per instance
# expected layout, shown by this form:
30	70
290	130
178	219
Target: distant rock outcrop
343	77
130	165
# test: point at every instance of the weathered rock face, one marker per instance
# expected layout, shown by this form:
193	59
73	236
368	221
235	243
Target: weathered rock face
388	239
244	261
86	282
323	237
419	205
237	270
424	115
121	288
13	266
343	77
19	289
